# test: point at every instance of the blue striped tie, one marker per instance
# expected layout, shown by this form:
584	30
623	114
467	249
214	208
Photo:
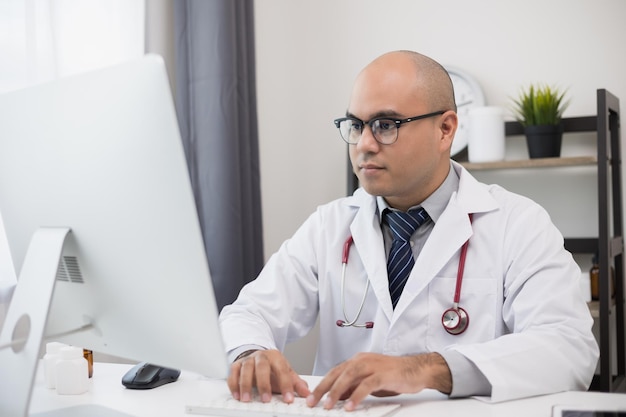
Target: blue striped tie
400	261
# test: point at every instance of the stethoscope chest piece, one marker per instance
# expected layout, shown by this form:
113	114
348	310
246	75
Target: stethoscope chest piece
455	320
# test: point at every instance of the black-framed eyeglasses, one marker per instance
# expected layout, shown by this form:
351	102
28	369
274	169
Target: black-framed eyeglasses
384	129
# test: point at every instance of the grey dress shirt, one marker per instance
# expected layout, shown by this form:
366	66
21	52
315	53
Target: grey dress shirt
467	379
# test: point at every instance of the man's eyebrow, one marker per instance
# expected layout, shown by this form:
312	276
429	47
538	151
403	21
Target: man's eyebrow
383	113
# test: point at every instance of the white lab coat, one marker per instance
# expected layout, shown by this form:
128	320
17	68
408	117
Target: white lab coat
529	329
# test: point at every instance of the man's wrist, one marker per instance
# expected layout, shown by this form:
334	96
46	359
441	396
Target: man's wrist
442	377
245	354
436	367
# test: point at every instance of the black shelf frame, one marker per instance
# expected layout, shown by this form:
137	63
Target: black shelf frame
610	240
609	245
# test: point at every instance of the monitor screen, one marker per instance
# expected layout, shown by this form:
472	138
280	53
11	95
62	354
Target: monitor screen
93	165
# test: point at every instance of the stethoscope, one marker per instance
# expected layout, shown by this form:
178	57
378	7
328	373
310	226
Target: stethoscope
455	320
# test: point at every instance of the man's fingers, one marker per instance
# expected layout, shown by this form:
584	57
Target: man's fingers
247	379
356	378
287	382
233	380
342	387
268	371
295	385
263	375
301	387
362	390
323	387
337	385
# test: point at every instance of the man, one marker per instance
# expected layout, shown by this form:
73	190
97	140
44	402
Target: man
520	326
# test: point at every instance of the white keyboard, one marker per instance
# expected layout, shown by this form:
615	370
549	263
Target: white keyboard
228	407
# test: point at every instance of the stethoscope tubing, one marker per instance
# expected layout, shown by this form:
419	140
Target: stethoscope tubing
344	262
462	321
461	270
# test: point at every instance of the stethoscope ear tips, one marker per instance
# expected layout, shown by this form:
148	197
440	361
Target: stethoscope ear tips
367	324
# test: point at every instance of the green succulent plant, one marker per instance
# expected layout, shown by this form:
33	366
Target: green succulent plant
540	105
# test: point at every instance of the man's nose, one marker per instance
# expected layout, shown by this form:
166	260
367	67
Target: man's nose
367	141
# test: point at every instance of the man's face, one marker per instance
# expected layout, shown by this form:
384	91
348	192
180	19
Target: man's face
409	170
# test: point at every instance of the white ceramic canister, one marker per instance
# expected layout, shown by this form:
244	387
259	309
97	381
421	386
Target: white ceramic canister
486	134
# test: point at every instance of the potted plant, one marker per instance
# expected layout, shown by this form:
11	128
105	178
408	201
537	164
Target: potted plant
539	108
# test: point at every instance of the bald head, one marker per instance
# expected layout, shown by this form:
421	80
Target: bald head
401	86
429	80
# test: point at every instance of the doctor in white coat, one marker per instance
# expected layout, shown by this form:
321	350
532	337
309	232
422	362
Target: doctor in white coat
524	326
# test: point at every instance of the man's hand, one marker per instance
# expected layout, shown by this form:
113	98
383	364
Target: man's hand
268	371
381	375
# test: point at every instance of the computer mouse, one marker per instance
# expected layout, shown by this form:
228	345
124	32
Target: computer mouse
147	376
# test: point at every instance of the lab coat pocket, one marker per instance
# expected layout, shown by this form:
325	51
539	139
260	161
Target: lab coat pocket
478	299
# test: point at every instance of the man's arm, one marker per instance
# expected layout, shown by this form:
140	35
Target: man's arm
382	375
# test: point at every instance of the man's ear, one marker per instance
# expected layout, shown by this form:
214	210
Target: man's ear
448	124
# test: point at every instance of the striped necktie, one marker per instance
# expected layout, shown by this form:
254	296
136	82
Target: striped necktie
400	261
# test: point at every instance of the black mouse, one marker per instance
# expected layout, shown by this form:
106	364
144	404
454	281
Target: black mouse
146	376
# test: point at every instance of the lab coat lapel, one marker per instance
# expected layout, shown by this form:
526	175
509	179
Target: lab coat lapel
368	240
451	231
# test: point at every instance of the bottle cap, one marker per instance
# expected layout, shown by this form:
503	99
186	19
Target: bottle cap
71	352
54	347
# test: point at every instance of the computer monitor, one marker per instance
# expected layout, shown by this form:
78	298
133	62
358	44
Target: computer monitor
103	228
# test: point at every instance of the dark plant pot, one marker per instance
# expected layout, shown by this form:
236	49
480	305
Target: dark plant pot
544	141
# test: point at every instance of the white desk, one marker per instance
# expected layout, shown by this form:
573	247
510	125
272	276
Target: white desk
169	400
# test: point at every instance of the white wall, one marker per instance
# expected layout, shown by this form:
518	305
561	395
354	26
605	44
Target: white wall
160	33
308	53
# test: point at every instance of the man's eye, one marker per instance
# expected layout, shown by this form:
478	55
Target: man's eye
384	124
358	126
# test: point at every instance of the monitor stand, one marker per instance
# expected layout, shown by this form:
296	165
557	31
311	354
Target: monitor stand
25	322
22	334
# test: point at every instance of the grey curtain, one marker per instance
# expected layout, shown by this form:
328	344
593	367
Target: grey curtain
216	105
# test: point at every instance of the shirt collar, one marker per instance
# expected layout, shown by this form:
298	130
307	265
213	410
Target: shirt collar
436	203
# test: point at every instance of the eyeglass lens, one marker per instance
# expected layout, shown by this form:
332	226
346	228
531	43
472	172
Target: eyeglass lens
384	130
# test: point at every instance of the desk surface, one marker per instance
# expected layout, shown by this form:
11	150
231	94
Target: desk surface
169	400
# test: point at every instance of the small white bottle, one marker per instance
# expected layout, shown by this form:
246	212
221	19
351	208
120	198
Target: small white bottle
53	354
72	375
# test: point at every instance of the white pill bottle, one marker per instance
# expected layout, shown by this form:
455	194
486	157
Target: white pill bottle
53	354
72	374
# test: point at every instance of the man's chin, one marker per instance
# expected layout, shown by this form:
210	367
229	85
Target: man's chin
373	190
